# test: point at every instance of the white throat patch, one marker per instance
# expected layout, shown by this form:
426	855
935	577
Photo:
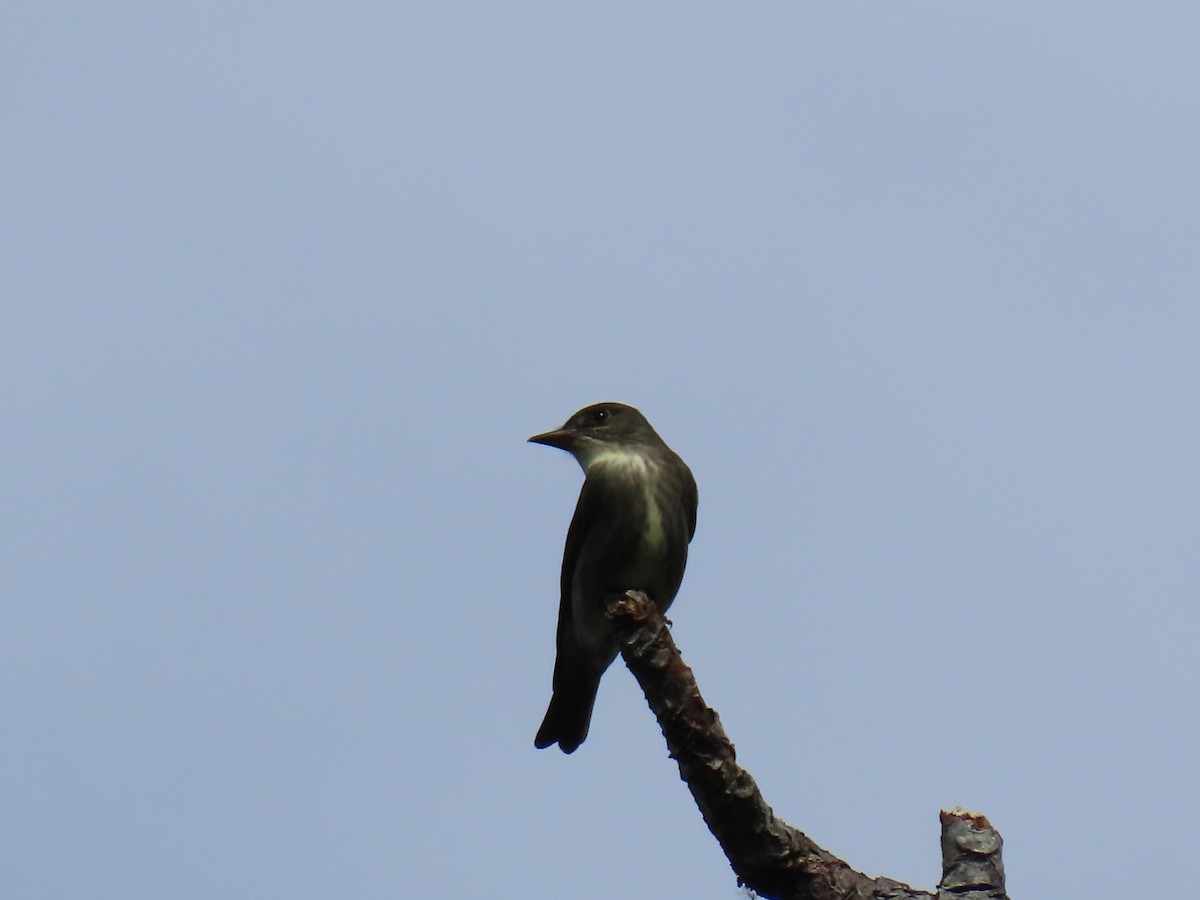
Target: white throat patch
595	452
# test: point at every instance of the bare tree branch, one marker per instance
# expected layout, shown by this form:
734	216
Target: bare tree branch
769	856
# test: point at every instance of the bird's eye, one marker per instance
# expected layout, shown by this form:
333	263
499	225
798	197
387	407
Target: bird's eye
601	415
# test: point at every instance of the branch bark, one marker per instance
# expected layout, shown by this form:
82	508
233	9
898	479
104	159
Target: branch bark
769	856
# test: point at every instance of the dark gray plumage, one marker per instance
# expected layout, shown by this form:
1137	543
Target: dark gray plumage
635	517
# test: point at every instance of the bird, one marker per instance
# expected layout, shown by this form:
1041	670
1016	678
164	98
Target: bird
633	522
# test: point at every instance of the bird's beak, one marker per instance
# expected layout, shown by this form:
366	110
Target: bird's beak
561	438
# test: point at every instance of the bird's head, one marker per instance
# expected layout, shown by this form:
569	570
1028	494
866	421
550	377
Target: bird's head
600	430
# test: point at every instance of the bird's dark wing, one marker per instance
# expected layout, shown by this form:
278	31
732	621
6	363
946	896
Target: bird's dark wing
691	499
587	512
576	678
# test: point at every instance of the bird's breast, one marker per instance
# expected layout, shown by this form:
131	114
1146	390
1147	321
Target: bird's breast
654	535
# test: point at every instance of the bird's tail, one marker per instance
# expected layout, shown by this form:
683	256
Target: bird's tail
569	715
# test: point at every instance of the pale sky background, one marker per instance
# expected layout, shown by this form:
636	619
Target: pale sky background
914	289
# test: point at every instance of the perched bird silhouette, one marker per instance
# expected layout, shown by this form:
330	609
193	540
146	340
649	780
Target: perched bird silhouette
635	517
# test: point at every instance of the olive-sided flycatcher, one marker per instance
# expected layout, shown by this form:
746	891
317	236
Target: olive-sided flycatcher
635	516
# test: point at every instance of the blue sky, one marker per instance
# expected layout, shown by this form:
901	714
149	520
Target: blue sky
913	288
